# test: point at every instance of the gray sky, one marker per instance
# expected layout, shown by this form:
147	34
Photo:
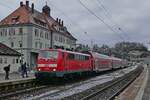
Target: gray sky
132	16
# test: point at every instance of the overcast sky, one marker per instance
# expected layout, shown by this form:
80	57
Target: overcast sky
129	19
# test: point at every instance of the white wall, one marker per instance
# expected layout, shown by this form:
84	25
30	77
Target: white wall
14	65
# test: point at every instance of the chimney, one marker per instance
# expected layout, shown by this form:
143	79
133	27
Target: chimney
62	23
21	4
56	19
32	6
27	4
59	21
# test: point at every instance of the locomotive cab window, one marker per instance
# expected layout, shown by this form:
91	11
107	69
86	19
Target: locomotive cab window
86	57
49	54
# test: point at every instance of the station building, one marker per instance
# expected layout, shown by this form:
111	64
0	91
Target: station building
28	30
9	56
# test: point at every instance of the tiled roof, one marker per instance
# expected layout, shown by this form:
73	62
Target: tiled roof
24	15
5	50
20	14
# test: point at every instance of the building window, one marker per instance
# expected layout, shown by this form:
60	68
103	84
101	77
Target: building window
46	45
1	33
49	36
36	44
12	44
68	41
20	44
4	32
41	34
36	31
1	60
15	19
56	38
12	31
17	60
21	31
63	39
13	61
5	60
60	39
46	35
41	45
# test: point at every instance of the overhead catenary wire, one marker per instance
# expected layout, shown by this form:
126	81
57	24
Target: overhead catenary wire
99	18
108	15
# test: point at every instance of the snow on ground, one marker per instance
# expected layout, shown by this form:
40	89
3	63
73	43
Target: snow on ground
70	89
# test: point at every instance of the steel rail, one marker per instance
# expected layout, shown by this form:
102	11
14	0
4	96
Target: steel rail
134	73
15	87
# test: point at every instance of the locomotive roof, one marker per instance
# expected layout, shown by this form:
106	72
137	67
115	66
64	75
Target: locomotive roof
114	58
68	51
95	54
73	52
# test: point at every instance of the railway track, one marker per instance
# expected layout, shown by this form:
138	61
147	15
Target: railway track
15	94
109	90
35	90
8	89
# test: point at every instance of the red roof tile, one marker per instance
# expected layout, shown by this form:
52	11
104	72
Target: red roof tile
21	15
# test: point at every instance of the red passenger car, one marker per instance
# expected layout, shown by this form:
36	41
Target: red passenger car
101	62
58	63
117	63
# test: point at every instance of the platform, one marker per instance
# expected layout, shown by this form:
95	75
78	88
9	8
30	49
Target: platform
139	89
15	77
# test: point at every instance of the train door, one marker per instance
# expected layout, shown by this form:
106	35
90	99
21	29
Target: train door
67	61
63	61
92	64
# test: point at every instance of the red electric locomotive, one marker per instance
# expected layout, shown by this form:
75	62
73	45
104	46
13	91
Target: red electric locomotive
58	63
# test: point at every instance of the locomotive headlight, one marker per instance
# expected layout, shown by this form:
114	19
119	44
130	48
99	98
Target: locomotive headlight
39	69
54	69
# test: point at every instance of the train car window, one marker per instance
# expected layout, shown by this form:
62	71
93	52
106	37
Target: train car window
76	57
71	56
86	58
83	57
80	57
